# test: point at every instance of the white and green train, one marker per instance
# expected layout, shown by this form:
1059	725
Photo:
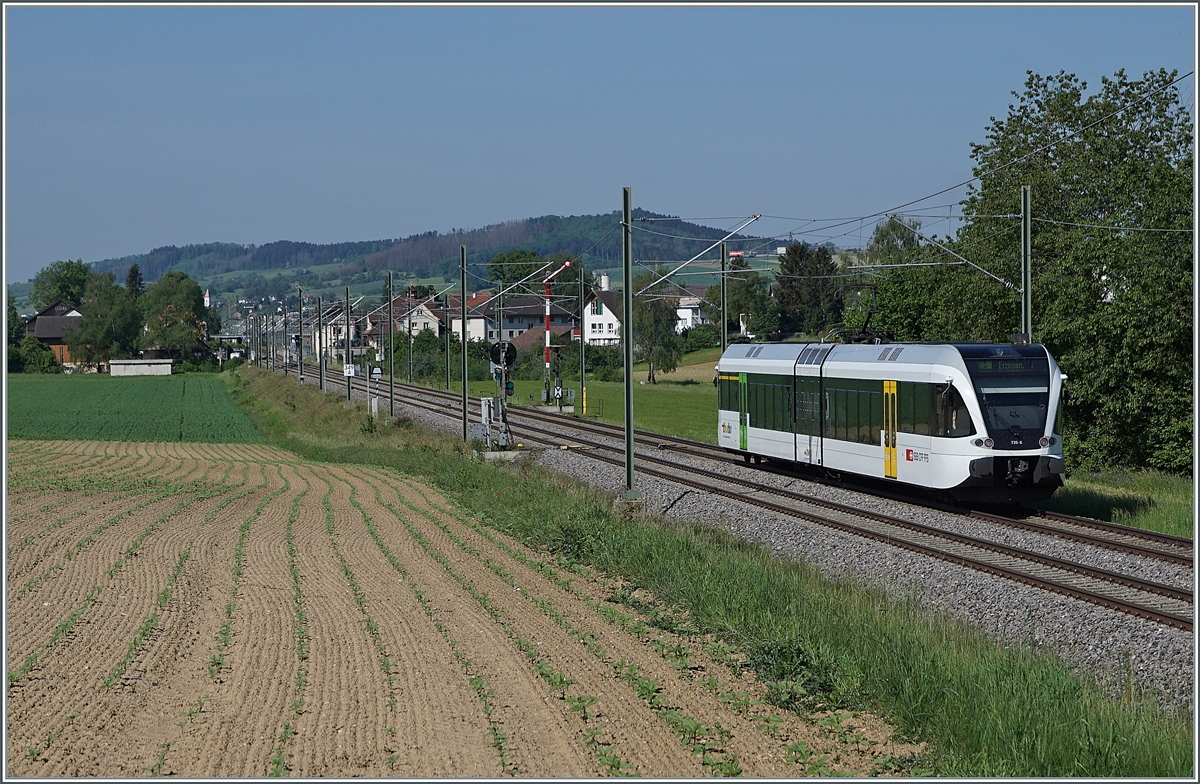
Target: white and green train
977	421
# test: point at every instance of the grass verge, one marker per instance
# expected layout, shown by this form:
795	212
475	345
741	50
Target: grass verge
1148	499
984	710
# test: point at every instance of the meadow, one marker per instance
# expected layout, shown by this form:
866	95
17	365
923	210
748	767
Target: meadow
191	408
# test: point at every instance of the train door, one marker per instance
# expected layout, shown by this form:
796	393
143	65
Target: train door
808	419
743	412
889	429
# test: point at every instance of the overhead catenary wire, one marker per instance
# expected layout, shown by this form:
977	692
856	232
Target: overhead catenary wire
1002	281
1114	228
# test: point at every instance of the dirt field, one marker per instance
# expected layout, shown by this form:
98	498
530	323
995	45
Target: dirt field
207	610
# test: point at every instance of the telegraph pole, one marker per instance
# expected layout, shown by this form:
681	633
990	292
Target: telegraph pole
582	402
319	345
627	339
391	348
286	338
347	355
1026	267
410	334
462	277
300	345
724	302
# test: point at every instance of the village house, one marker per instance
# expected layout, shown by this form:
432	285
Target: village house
49	327
689	309
601	318
481	317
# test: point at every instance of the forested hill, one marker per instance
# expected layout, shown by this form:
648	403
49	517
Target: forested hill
434	253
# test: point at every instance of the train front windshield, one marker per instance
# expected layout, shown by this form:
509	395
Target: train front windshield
1014	393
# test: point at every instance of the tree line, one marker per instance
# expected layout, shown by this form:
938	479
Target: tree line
118	319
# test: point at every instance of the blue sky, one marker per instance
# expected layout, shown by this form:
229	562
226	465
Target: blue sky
129	128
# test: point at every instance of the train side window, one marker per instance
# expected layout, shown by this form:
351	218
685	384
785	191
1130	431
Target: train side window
830	403
876	418
843	412
851	415
922	394
904	406
864	416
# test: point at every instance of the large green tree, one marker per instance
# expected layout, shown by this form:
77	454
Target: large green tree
112	322
808	293
133	281
60	280
16	334
746	292
516	265
175	313
654	338
1111	179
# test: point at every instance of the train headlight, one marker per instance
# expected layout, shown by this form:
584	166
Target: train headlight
1043	441
978	442
988	443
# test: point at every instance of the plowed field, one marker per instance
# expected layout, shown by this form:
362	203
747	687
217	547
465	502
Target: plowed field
206	610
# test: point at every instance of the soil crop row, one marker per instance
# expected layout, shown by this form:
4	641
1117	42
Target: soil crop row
230	610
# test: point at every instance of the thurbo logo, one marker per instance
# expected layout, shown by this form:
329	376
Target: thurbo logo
913	456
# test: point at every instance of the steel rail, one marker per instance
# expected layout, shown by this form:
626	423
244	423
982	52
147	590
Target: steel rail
666	441
1063	588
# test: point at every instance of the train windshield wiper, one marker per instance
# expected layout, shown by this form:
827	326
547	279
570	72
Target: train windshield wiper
1003	422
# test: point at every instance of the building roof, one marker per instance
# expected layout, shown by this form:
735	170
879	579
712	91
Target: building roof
50	322
52	327
535	337
60	308
613	300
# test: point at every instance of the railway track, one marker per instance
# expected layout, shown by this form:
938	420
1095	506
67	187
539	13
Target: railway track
1166	604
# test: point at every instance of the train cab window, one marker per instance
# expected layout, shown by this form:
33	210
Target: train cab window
950	416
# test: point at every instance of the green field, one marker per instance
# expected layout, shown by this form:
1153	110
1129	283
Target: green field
190	407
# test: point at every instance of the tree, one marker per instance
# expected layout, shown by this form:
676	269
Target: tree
133	282
746	292
111	324
175	313
16	324
655	340
808	295
36	357
60	280
508	268
16	333
1111	183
